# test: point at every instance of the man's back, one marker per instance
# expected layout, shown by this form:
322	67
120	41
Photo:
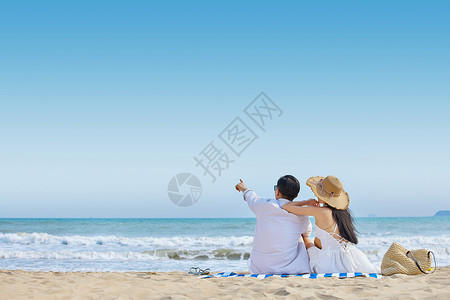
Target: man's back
277	245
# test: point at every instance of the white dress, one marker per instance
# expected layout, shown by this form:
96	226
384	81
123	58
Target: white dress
337	255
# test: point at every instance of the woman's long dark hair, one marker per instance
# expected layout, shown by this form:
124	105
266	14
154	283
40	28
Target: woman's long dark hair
344	221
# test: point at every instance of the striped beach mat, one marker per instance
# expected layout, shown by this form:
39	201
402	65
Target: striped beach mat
312	276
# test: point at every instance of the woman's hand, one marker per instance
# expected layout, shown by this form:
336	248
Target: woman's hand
311	202
303	208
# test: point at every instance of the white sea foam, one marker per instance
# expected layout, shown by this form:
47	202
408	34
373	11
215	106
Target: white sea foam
375	247
189	242
42	250
156	242
165	254
410	241
87	255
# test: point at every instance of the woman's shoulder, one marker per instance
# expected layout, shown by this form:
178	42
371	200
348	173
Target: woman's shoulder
324	216
325	211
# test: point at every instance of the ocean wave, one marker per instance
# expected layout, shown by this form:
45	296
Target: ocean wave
189	242
374	255
407	241
151	242
44	246
442	255
161	254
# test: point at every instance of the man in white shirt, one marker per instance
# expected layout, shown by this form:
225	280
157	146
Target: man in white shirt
278	246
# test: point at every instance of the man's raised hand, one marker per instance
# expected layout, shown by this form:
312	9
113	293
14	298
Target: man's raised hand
240	187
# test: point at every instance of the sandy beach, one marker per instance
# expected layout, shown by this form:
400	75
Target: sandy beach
177	285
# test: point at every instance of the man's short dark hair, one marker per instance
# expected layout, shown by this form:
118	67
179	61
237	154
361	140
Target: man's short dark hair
288	186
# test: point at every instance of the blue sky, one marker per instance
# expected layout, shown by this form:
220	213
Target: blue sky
101	104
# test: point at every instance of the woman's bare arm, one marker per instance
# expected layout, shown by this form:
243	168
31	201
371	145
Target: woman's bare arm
301	210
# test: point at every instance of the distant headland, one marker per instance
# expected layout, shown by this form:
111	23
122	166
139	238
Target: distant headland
443	213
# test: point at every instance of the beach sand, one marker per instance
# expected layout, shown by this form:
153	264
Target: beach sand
177	285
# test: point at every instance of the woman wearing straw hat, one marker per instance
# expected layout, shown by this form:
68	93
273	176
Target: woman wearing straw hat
333	250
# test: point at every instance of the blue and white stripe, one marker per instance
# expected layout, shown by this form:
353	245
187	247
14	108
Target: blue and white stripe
312	276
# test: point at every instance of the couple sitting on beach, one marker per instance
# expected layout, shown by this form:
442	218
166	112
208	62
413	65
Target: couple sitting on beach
282	245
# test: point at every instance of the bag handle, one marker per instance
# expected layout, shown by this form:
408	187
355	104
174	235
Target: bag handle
417	264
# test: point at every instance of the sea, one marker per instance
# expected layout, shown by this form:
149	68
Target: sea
179	244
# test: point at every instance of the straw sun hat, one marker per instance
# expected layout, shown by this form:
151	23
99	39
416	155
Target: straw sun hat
330	190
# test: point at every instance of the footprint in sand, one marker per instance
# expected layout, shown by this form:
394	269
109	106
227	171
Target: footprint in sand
327	297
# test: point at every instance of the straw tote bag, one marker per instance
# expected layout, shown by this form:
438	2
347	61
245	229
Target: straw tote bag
399	260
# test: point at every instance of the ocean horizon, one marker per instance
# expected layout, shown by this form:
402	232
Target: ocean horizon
176	244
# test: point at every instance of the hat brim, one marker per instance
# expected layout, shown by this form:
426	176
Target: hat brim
339	202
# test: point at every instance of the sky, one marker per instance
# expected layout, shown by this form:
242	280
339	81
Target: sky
102	103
